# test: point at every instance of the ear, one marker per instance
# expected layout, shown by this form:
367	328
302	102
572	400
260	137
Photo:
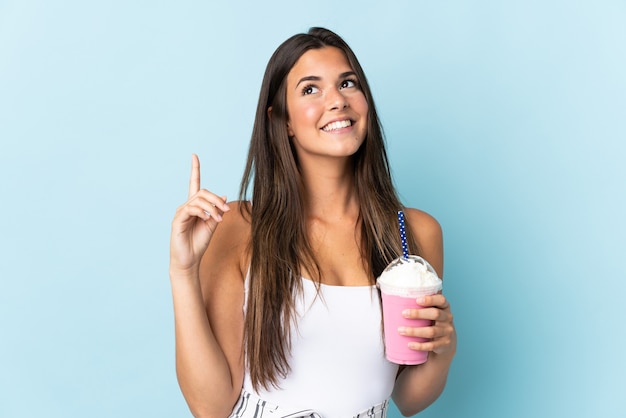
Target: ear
289	130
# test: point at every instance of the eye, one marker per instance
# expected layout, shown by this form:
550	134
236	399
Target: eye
309	89
348	83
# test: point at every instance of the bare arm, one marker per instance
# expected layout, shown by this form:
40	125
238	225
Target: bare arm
209	365
419	386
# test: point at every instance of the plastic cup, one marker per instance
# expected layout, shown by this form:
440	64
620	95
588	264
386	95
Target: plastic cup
396	299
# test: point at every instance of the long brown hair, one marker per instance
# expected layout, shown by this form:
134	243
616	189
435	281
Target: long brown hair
279	245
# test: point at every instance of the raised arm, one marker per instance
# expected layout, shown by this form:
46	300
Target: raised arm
207	290
419	386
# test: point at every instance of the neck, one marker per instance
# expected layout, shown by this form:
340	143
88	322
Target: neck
329	190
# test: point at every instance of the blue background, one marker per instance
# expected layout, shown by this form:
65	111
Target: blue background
506	120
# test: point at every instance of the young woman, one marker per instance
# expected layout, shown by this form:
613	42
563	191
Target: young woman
276	309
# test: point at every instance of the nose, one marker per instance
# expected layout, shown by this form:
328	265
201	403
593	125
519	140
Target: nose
336	100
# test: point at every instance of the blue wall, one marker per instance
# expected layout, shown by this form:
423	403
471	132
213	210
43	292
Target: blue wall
505	119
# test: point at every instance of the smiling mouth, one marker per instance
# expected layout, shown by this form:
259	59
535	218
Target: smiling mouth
333	126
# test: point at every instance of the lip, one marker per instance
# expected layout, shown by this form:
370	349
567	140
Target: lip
352	122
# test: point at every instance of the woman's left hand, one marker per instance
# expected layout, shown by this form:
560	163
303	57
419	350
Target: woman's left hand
441	333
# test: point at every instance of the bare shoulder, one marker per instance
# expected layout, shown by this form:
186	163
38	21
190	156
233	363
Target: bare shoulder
224	264
423	225
228	248
222	277
429	237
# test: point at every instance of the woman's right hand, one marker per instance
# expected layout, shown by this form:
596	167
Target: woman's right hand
194	224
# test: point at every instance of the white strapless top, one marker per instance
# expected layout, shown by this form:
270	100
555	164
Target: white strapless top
338	364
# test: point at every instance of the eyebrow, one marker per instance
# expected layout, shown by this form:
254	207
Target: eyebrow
317	78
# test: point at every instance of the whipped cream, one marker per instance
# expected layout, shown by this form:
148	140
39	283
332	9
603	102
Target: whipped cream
412	275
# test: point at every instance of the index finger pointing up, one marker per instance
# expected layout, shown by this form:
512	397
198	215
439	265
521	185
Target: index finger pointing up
194	180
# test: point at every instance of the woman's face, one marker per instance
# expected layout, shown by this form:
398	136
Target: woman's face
327	109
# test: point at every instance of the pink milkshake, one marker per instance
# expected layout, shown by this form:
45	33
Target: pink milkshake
401	283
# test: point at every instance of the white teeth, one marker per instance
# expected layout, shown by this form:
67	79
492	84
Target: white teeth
337	125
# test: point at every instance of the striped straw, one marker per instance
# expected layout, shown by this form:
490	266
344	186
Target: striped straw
405	247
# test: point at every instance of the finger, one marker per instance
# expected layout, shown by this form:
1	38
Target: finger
203	213
439	344
185	212
211	202
194	180
424	346
212	213
421	332
204	209
437	300
225	206
434	314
